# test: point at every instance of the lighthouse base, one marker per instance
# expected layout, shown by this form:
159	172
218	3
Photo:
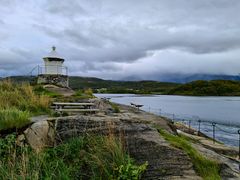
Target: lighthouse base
55	79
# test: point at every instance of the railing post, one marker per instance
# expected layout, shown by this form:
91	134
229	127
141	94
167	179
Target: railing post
214	125
199	126
189	125
38	69
149	109
160	111
239	145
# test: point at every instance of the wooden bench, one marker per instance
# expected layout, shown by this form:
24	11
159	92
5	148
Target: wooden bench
74	107
138	106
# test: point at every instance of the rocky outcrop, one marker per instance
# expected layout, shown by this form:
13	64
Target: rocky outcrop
141	140
165	161
103	106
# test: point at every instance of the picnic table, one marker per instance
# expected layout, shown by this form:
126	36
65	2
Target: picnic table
74	107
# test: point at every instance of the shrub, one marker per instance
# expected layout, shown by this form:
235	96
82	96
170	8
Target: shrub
13	118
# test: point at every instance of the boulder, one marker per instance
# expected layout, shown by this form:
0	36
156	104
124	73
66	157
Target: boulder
40	135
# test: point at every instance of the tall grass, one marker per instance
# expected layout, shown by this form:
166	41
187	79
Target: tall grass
206	168
115	107
18	102
88	157
22	97
40	90
13	118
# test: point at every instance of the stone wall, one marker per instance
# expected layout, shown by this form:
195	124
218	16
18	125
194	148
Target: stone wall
57	79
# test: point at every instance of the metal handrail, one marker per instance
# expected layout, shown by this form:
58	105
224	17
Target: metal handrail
61	70
40	70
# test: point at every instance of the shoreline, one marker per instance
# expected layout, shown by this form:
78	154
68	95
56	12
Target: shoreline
183	126
193	110
169	95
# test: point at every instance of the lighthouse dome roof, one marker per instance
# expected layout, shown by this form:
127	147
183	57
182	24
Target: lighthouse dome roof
54	55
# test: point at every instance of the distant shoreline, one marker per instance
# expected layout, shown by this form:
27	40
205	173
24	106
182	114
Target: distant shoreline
173	95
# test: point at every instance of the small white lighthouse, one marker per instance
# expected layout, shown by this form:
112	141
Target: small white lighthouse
53	62
53	71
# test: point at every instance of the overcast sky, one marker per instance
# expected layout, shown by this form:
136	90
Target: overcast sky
116	39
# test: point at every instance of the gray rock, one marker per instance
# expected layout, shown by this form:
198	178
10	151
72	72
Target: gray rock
39	135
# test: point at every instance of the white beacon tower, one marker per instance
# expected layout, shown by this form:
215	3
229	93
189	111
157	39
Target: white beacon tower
53	63
53	71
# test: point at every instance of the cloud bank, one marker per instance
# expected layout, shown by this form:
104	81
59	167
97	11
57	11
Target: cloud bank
117	39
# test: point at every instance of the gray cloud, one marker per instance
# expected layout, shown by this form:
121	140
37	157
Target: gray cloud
64	8
110	38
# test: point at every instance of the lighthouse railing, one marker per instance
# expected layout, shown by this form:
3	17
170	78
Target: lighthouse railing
53	69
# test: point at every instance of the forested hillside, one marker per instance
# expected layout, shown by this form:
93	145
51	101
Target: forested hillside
208	88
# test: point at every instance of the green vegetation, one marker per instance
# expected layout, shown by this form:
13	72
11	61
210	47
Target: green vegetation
108	86
89	157
84	94
208	88
85	157
40	90
195	88
13	118
207	169
18	102
22	97
115	107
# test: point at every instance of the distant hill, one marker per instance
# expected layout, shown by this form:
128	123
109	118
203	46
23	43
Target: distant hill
184	78
195	88
109	86
208	88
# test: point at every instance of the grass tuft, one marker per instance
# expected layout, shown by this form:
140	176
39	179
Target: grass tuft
84	94
18	102
207	169
115	107
40	90
13	118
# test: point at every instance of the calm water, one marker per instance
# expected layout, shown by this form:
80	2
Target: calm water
225	111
